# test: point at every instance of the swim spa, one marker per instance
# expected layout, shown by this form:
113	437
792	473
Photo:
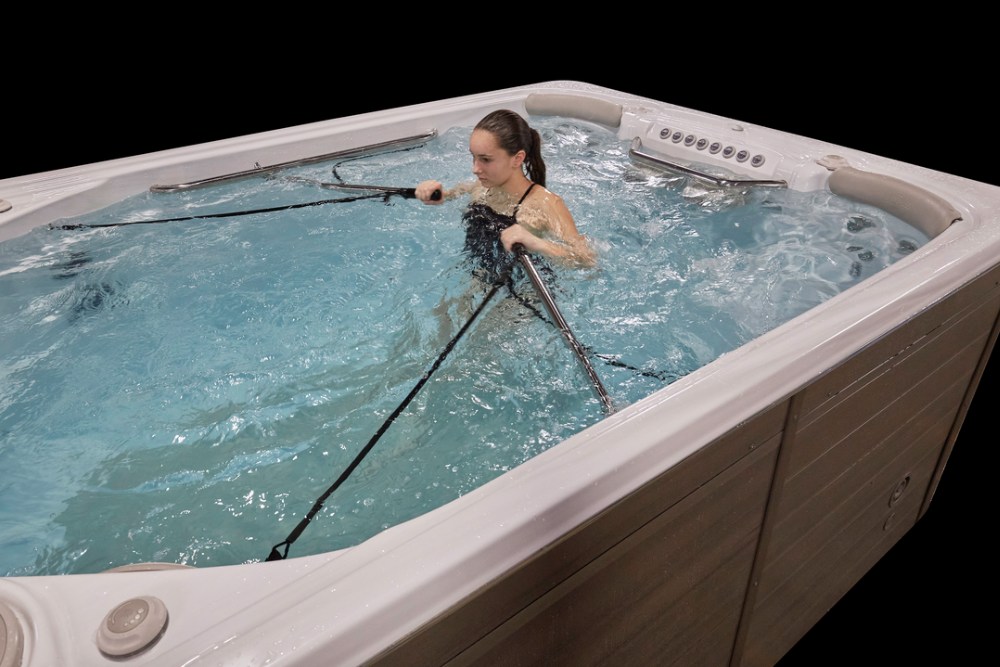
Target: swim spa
591	509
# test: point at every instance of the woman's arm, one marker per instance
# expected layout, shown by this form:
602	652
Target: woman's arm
548	228
426	189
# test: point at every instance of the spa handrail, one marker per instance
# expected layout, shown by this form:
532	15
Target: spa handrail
371	149
636	153
550	304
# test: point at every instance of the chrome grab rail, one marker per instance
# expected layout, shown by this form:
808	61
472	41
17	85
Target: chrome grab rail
371	149
636	154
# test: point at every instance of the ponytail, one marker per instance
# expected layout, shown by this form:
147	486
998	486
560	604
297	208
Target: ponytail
534	165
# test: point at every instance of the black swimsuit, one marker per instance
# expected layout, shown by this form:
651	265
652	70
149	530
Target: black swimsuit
491	261
483	248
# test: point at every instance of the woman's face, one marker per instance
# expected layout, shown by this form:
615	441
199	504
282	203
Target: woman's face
492	165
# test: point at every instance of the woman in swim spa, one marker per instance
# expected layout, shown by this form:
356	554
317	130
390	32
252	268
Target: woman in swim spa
509	202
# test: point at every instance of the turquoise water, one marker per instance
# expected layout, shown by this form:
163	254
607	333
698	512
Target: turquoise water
185	391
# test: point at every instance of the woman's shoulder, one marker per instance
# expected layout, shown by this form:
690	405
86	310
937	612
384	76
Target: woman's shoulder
545	200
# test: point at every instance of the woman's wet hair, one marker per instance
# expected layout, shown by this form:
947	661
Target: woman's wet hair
513	134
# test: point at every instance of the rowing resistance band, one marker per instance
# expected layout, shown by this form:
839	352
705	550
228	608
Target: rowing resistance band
294	535
378	192
230	214
405	193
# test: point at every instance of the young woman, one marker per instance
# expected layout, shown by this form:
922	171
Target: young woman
509	202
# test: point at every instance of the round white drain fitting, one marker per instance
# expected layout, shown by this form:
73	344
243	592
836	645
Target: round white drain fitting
132	626
11	638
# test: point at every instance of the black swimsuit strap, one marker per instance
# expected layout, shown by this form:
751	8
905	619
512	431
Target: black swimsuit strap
523	197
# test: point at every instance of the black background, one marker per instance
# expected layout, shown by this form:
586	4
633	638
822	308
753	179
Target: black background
930	598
